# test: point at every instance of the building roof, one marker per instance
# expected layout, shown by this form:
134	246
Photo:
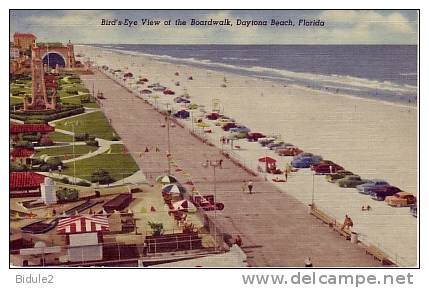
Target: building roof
24	35
25	180
22	152
29	128
83	224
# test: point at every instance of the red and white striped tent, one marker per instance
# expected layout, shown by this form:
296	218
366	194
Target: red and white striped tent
83	224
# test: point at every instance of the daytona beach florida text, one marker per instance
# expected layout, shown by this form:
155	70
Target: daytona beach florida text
212	22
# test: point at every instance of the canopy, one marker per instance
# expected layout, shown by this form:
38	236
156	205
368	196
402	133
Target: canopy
184	205
166	179
173	189
267	160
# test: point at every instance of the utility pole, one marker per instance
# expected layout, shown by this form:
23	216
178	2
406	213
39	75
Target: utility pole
214	164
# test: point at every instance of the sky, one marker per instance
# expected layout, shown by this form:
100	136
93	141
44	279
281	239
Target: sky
341	27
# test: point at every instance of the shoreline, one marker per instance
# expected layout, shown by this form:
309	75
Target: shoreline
298	186
154	57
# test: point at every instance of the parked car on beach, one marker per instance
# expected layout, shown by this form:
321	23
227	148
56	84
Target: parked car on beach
368	187
168	92
351	181
227	126
380	193
305	162
323	169
401	199
213	116
254	136
338	175
181	100
240	129
266	140
288	151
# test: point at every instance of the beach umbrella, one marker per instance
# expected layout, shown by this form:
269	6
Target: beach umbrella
267	160
184	205
173	189
166	179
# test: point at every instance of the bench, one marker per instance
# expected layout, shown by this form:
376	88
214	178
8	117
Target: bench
378	255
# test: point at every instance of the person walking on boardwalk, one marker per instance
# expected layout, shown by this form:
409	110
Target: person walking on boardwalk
250	186
307	262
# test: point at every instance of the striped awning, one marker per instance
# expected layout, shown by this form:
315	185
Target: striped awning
83	224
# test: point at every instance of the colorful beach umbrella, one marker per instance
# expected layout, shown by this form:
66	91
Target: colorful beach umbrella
184	205
267	160
173	189
166	179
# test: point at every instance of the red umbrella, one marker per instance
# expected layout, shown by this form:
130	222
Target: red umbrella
267	160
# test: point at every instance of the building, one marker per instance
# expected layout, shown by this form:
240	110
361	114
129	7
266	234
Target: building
84	236
20	155
25	184
30	128
13	51
48	191
24	40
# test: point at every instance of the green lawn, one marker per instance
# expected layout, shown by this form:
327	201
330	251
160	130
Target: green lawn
16	100
119	165
76	100
60	137
79	150
95	124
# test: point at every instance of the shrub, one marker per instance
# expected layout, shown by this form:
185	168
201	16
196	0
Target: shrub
16	167
45	141
54	162
116	138
92	143
24	144
67	194
44	168
157	228
65	180
83	183
101	176
81	137
31	138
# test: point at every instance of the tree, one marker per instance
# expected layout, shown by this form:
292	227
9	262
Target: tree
101	176
67	195
157	228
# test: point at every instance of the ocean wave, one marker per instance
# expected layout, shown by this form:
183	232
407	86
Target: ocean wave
334	81
240	59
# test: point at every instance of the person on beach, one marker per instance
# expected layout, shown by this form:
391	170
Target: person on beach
250	186
307	262
220	163
238	241
348	223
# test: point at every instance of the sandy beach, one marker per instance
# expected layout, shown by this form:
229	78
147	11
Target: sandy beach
371	138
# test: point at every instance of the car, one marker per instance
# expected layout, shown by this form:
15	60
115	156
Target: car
338	175
240	128
380	193
181	100
329	162
227	126
266	140
282	146
213	116
223	120
303	154
158	88
288	151
274	144
145	91
367	187
323	169
254	136
168	92
401	199
305	162
239	135
351	181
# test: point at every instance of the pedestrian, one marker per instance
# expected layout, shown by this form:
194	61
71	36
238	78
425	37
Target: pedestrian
220	163
307	262
286	175
238	241
243	186
250	186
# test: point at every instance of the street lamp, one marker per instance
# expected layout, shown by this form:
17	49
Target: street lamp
214	164
167	119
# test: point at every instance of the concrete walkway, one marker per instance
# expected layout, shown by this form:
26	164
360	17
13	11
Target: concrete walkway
275	227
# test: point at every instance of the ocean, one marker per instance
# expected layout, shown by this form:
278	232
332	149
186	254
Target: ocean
384	72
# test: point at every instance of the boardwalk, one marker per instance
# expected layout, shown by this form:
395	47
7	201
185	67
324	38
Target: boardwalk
275	227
